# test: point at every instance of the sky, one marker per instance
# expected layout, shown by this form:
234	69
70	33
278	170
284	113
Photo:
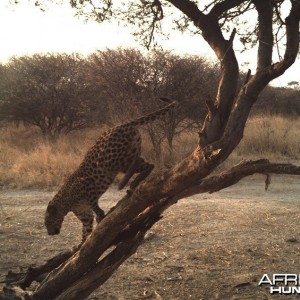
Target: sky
25	30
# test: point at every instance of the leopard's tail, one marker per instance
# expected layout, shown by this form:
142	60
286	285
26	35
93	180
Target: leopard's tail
154	115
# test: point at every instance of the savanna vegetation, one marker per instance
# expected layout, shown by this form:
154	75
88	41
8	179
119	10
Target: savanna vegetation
218	110
53	107
28	161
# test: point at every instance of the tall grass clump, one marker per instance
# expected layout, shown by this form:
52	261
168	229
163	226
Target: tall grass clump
28	160
271	136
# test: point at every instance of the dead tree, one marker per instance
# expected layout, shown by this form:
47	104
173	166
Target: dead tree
119	234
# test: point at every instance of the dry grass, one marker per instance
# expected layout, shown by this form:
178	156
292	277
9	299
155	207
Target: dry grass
271	136
26	160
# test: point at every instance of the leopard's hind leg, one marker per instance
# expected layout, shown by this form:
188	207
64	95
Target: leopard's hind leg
98	211
140	166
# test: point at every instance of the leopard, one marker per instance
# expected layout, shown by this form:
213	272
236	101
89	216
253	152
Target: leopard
117	150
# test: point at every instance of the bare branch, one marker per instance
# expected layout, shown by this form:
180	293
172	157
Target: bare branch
38	273
190	9
222	7
278	14
212	33
247	77
213	128
232	35
235	174
158	15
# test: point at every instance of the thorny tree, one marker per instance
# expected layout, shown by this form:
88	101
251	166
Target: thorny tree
49	92
87	268
135	82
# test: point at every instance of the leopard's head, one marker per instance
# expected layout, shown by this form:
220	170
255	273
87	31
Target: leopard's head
53	219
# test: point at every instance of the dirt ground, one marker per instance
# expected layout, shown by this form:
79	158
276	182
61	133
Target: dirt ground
214	246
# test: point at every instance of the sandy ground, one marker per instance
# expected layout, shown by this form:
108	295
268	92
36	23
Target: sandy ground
214	246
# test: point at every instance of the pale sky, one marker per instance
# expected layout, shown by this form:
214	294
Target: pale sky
25	30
